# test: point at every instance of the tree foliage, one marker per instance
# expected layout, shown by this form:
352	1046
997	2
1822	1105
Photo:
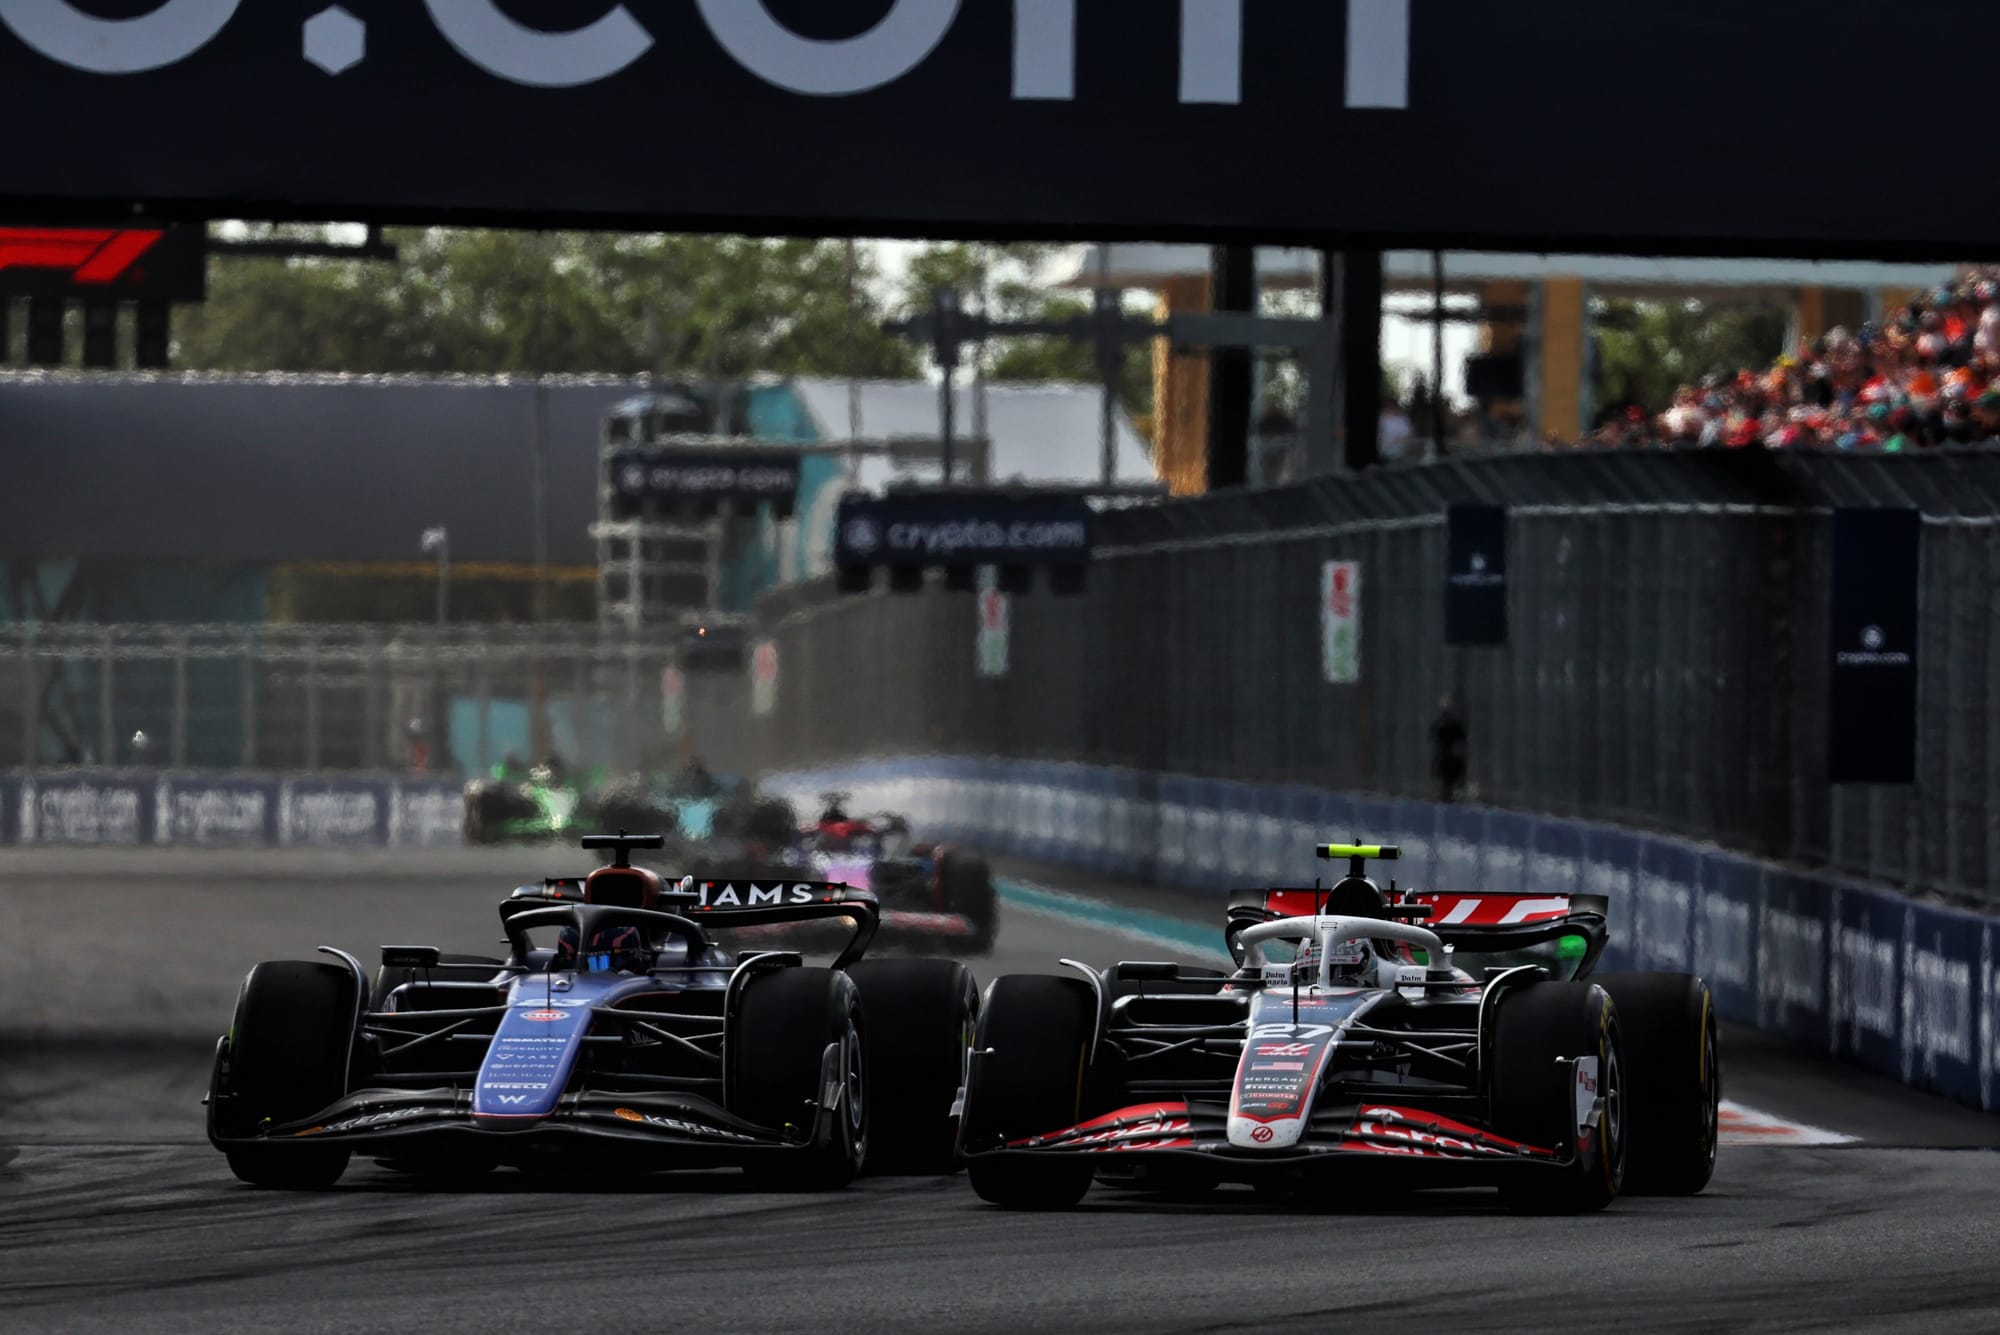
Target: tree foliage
1648	349
482	302
1003	280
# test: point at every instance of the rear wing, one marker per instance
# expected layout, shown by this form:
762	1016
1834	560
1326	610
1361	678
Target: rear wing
1474	923
722	904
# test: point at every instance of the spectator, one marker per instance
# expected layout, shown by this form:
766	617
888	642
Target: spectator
1393	431
1928	374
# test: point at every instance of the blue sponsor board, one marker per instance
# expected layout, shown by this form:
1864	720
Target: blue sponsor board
1793	943
1864	977
1556	857
1461	848
86	808
333	813
221	812
1940	1005
1725	930
1988	1037
1662	907
426	813
1503	865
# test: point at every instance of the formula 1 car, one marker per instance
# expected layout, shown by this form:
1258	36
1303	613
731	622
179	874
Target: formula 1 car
617	1032
1477	1050
935	893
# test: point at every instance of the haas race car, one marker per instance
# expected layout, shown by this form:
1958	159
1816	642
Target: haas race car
618	1032
1410	1040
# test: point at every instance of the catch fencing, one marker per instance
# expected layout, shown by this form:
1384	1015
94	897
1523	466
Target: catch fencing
1667	664
316	700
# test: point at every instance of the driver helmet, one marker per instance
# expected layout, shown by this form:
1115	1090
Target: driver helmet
619	949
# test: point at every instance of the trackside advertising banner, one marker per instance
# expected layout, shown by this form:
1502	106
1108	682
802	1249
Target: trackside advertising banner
968	531
130	808
1475	577
1908	989
1872	700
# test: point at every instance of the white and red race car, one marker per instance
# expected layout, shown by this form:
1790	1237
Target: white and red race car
1432	1039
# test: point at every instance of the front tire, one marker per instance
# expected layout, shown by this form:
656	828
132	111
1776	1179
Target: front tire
286	1058
1535	1028
967	881
1028	1074
922	1016
1674	1074
785	1020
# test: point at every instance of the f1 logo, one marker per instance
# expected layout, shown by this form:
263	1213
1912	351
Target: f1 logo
93	257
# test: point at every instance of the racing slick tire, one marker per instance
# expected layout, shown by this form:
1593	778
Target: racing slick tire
392	976
967	882
922	1015
288	1051
1535	1027
1673	1074
1028	1078
777	1042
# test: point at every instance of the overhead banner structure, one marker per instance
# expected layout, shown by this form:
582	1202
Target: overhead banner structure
1475	579
1873	619
961	531
810	113
705	476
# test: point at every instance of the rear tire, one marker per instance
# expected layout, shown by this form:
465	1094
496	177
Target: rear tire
777	1043
1533	1029
287	1055
1673	1078
968	889
922	1016
1028	1077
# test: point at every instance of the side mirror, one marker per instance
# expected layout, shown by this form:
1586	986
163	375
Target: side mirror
410	957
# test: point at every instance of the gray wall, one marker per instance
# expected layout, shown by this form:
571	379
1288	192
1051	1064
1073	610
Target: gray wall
292	468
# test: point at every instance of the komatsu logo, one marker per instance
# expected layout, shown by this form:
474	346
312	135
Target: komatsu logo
1045	48
728	895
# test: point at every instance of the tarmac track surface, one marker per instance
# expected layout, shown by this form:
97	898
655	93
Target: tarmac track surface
117	1215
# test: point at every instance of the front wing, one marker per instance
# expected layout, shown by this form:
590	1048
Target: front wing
653	1129
1337	1138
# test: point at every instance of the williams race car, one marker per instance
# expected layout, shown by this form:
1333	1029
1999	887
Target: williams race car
1438	1039
617	1031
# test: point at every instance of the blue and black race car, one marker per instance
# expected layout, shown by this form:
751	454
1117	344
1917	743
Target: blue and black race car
618	1031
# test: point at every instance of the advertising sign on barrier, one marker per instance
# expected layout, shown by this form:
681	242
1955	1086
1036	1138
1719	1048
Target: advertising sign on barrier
1475	577
996	615
98	810
426	815
1340	622
333	813
1872	620
1792	957
1939	1011
1864	978
1725	930
220	812
764	678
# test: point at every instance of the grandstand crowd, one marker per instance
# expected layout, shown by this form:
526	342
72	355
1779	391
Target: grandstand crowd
1928	374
